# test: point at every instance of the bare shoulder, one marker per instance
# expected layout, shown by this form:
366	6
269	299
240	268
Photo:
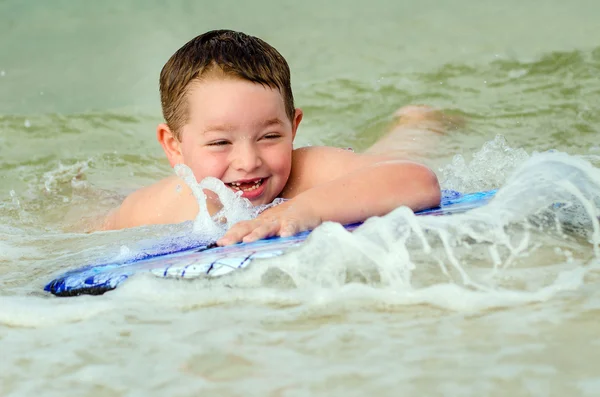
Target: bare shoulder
314	165
167	201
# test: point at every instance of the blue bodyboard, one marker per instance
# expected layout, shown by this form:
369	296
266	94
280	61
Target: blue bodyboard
209	260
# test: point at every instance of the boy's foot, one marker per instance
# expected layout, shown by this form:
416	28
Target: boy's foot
415	133
427	118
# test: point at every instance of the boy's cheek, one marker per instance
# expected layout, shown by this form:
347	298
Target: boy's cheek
202	169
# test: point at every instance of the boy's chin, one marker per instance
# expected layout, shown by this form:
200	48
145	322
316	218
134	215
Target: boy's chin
264	200
261	201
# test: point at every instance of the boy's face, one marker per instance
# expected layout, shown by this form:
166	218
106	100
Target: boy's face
238	132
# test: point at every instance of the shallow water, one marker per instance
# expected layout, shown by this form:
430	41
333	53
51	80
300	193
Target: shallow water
501	301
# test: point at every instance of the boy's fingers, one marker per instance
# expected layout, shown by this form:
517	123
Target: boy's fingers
289	229
262	231
236	233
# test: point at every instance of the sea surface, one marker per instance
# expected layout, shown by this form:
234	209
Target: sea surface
502	301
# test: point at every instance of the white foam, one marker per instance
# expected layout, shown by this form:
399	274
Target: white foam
26	311
72	174
234	209
488	168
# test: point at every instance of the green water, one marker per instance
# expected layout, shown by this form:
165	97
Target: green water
78	109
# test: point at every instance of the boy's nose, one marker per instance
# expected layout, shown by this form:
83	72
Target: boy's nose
247	159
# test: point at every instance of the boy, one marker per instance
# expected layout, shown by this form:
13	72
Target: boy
229	112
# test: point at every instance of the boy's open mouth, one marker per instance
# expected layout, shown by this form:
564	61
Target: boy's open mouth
247	185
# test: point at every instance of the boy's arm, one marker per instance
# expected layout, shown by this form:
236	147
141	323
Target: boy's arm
346	187
319	167
329	184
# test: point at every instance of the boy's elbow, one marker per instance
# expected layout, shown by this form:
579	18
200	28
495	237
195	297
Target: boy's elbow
432	194
423	188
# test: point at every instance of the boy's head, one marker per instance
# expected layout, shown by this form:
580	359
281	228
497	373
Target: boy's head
229	112
220	53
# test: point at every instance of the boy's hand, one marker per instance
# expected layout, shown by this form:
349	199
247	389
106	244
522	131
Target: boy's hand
283	220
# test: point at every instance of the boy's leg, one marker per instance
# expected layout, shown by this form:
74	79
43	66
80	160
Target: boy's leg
415	133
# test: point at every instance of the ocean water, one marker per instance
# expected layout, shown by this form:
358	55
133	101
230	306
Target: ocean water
500	301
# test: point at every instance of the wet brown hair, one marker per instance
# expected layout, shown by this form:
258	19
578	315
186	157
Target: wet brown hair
233	54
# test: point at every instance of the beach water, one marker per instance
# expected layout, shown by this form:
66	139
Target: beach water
500	301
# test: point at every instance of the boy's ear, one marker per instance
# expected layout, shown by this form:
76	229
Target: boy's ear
170	144
296	122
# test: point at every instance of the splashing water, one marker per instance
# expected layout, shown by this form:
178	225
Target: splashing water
486	257
488	169
234	209
206	227
72	174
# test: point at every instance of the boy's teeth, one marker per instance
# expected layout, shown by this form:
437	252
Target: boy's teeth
237	185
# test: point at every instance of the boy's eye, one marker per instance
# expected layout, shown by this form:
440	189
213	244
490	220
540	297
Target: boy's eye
272	135
218	143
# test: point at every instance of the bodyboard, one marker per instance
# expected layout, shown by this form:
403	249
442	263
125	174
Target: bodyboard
209	260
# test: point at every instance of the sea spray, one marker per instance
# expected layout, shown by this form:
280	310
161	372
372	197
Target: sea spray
234	209
488	169
494	249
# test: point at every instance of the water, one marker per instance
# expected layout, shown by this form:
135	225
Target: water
502	301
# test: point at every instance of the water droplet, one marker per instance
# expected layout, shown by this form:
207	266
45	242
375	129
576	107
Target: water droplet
27	123
2	73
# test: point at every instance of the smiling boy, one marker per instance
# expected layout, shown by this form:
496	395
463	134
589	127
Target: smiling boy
229	111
